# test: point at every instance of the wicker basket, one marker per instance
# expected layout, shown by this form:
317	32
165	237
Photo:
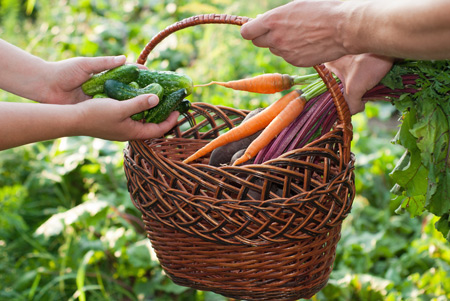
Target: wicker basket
255	232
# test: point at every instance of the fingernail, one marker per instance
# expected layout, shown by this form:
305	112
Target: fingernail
119	58
153	100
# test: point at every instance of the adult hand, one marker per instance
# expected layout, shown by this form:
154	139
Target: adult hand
359	73
303	33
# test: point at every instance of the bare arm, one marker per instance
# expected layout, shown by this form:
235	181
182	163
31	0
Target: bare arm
51	82
20	71
309	32
412	29
23	123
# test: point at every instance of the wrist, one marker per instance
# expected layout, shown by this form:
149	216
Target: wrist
46	89
77	121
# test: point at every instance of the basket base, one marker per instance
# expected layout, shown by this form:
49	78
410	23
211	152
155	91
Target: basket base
250	294
286	271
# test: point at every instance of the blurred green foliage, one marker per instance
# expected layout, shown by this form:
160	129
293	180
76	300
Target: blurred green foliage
68	229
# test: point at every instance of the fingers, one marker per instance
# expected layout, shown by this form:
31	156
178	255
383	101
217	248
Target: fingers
140	66
261	41
259	35
101	63
254	29
160	129
154	130
139	103
145	102
355	105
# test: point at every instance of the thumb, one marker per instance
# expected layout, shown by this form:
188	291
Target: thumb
253	29
102	63
139	103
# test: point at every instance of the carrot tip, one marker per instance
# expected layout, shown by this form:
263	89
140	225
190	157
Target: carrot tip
187	160
244	158
205	85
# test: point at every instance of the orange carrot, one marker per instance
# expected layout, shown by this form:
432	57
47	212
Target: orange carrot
264	83
289	113
251	126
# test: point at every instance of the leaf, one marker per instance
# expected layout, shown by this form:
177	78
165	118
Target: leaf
141	254
439	202
432	133
414	205
393	79
56	224
443	225
424	180
410	174
406	138
81	274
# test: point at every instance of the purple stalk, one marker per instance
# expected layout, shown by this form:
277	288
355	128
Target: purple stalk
279	143
320	114
329	122
319	108
319	120
410	77
306	137
260	156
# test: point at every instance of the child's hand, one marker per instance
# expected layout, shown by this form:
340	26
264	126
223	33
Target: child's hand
110	119
65	77
22	123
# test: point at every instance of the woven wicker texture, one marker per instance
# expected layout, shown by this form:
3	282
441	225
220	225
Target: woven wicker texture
254	232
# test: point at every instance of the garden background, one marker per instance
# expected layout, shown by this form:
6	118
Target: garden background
68	229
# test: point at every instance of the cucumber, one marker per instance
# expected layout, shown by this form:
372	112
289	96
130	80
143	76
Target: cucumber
138	116
100	95
120	91
183	106
125	73
167	105
134	85
170	81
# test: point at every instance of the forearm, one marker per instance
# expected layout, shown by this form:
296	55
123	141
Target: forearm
20	72
23	123
402	28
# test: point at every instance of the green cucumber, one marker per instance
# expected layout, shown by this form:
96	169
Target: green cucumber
183	106
167	105
125	73
120	91
100	95
170	81
134	85
138	116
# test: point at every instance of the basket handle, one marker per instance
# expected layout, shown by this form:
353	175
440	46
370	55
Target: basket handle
343	112
188	22
344	116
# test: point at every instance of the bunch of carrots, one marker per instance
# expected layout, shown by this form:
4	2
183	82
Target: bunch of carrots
290	122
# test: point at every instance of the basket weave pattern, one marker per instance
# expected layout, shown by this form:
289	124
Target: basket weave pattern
255	232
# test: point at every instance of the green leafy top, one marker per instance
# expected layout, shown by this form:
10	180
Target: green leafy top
422	175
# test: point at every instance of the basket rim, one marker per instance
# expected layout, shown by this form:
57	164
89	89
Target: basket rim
227	190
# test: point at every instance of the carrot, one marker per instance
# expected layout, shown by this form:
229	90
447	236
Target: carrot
265	83
282	120
251	126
